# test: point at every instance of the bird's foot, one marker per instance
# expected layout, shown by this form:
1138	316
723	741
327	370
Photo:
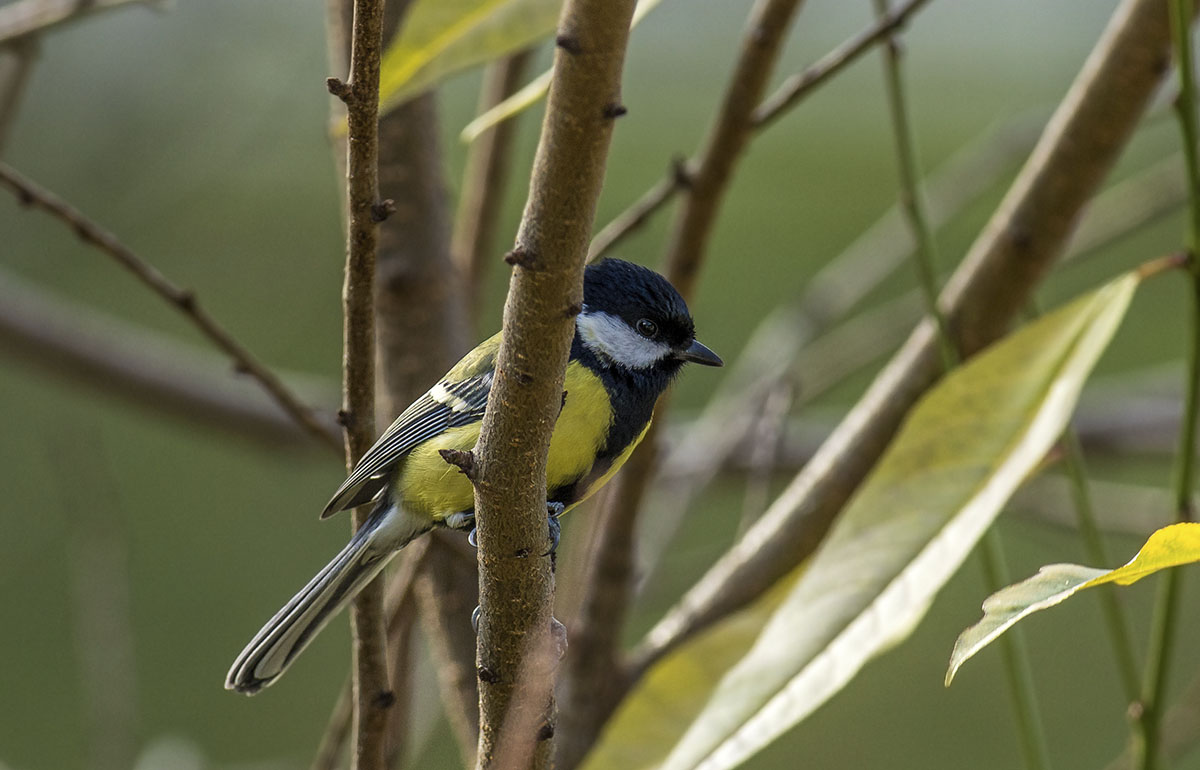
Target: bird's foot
553	511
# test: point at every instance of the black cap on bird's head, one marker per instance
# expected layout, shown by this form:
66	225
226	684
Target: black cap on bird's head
635	318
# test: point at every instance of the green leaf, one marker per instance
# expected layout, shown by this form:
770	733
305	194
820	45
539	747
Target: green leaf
670	695
965	448
1168	547
442	37
531	93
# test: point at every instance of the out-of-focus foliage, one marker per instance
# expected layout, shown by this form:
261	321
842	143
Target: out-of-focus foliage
442	37
966	447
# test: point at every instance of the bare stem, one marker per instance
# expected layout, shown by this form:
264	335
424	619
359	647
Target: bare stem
1166	610
185	301
1016	664
372	689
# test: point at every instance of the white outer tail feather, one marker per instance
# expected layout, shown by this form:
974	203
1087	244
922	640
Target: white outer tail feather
286	634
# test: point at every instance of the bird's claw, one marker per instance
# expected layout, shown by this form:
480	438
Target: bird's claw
553	511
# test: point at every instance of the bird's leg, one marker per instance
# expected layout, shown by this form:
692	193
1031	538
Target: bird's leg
553	512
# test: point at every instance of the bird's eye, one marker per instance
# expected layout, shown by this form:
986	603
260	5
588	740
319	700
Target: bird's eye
647	328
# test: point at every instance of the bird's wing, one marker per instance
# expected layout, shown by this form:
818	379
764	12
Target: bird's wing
459	399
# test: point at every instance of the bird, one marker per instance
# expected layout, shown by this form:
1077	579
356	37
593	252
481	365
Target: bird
633	334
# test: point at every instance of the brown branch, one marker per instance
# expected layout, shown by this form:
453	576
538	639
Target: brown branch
485	178
798	86
29	18
602	618
792	92
147	370
30	194
516	585
1007	261
371	683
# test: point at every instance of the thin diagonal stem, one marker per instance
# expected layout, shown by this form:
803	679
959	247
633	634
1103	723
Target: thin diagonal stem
1016	658
1162	638
184	300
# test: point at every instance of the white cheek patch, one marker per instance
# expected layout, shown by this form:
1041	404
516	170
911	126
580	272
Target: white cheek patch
609	337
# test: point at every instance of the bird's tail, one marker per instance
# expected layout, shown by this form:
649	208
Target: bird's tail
284	636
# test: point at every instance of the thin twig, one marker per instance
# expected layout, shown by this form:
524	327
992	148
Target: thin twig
1016	655
1016	664
792	92
1093	541
1166	611
516	648
145	369
485	177
912	197
28	18
642	209
31	194
1007	261
372	689
797	86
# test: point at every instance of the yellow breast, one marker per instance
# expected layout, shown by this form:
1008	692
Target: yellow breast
428	485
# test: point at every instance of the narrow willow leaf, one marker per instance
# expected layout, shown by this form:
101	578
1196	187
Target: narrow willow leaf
965	448
1168	547
531	93
670	695
442	37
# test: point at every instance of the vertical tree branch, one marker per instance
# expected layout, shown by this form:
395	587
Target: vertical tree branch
183	300
516	650
485	178
372	693
1008	259
592	665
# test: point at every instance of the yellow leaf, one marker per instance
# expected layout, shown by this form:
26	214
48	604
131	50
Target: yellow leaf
1168	547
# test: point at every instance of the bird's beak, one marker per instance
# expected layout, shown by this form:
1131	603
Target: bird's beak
699	354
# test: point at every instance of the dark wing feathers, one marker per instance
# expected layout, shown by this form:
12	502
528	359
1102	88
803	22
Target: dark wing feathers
446	405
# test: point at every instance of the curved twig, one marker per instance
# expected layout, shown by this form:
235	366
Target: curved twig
31	194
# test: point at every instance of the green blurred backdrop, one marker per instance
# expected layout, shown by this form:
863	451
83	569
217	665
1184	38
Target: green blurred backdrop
198	135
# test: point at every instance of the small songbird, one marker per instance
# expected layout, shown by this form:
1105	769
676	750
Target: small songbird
631	338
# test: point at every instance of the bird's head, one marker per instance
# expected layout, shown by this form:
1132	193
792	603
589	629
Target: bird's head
633	318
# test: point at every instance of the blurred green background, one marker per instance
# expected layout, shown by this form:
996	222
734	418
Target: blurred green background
198	135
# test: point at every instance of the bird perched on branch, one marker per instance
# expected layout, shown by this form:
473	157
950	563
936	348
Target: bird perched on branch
631	338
